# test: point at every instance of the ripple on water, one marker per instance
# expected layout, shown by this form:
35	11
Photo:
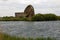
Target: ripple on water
31	29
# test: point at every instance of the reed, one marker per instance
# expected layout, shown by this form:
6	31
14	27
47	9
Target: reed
8	37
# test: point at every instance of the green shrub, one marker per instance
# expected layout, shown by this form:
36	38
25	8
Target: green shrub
50	17
38	17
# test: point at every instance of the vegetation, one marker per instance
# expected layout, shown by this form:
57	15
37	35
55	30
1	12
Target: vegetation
8	37
13	19
44	17
58	17
37	17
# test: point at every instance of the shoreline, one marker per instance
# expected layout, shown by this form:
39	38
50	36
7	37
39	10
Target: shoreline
8	37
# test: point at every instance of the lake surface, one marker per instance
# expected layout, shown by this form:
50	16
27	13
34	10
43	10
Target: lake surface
31	29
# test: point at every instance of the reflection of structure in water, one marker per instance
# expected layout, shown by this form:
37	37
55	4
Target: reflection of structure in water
28	12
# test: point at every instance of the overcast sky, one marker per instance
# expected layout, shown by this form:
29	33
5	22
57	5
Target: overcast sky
9	7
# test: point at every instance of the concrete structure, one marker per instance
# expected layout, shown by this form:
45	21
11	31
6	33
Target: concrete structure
19	14
28	12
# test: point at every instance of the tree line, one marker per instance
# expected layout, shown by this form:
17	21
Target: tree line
36	17
45	17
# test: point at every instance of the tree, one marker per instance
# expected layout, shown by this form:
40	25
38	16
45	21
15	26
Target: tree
38	17
50	17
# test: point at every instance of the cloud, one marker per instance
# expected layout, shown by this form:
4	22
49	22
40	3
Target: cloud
3	0
9	7
30	1
23	1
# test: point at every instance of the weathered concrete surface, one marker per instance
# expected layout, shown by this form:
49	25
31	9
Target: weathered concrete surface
28	12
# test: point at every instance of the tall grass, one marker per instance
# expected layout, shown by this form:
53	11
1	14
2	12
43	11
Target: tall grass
8	37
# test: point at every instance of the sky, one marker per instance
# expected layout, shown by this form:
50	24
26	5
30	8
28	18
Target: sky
9	7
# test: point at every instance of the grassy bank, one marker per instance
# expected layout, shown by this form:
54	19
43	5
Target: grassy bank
36	17
8	37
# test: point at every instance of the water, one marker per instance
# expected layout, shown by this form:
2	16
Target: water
31	29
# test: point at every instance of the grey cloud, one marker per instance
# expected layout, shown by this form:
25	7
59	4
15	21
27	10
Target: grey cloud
8	9
3	0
